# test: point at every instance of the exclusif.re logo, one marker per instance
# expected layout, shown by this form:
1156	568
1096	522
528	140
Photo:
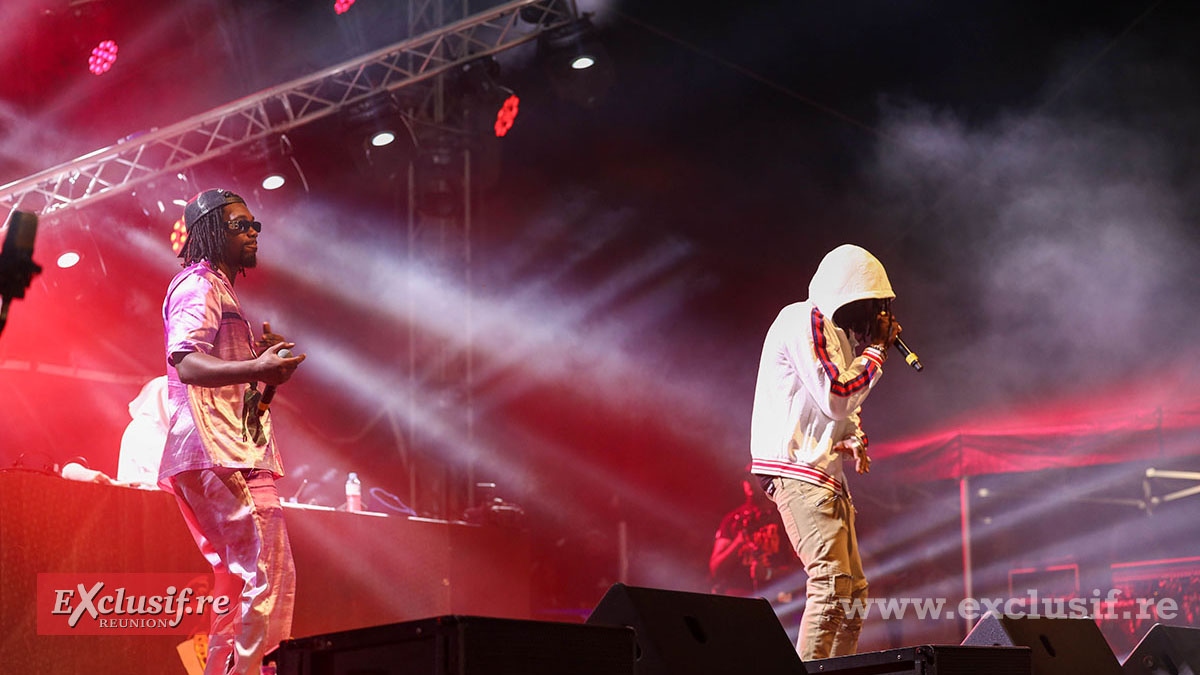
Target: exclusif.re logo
147	604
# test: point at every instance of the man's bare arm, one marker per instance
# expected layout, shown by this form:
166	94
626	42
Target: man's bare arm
205	370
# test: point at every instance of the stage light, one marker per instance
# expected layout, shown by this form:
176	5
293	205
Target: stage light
576	62
507	115
269	161
102	58
341	6
566	44
68	259
382	138
179	236
491	107
384	141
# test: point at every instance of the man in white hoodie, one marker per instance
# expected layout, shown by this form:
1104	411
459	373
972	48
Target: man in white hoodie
811	386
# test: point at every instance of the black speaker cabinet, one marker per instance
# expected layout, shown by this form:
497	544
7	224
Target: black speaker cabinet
1166	650
462	645
682	633
928	660
1060	646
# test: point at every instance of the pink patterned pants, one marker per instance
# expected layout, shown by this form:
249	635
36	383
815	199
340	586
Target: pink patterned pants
235	517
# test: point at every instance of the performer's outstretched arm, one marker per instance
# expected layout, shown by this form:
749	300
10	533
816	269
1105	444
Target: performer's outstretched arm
206	370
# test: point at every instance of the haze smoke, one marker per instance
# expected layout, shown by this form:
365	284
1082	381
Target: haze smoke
1066	244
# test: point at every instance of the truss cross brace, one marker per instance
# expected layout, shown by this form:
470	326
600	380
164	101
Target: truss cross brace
118	168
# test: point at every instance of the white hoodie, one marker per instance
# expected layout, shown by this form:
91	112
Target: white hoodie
810	385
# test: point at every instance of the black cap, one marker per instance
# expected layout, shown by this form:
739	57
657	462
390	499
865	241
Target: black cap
207	201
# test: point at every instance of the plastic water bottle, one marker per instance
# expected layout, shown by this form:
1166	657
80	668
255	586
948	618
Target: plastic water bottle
353	493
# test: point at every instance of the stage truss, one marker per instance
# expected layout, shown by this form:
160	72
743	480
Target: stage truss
123	166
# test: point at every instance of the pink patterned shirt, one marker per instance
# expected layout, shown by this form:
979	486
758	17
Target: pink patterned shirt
211	426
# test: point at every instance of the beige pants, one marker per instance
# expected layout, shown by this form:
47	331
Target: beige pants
237	522
820	524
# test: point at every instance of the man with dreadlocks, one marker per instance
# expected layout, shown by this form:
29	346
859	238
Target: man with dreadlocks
220	458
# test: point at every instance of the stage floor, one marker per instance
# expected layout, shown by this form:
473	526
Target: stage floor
353	570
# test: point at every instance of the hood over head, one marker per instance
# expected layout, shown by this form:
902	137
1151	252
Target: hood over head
848	273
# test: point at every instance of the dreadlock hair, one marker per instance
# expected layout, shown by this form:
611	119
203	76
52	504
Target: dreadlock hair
205	240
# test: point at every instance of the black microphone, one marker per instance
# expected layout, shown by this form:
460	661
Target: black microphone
269	392
909	357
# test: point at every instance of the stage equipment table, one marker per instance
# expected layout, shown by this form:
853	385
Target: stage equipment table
353	570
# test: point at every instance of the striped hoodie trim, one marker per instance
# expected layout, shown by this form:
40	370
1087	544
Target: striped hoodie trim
804	472
822	349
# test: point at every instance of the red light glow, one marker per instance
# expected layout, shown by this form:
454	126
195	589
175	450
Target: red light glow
178	236
341	6
507	115
103	57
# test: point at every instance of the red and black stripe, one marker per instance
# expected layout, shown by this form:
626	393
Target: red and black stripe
836	385
804	472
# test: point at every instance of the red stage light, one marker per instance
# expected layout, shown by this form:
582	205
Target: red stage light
103	57
340	6
507	115
179	236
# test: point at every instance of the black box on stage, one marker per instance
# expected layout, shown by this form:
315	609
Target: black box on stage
681	633
1166	650
462	645
1059	645
930	660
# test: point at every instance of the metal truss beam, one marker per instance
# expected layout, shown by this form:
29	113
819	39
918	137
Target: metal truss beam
126	164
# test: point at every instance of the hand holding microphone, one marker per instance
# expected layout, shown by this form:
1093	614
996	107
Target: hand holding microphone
278	366
887	332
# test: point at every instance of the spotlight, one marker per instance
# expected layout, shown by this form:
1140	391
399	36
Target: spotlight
275	175
576	62
507	115
342	6
273	181
269	161
491	107
179	236
103	56
566	44
68	259
382	138
378	126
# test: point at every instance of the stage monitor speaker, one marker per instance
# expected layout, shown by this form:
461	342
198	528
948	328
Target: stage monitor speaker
1060	646
699	634
928	660
1166	650
462	645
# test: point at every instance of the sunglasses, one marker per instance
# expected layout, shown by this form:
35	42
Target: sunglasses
240	226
